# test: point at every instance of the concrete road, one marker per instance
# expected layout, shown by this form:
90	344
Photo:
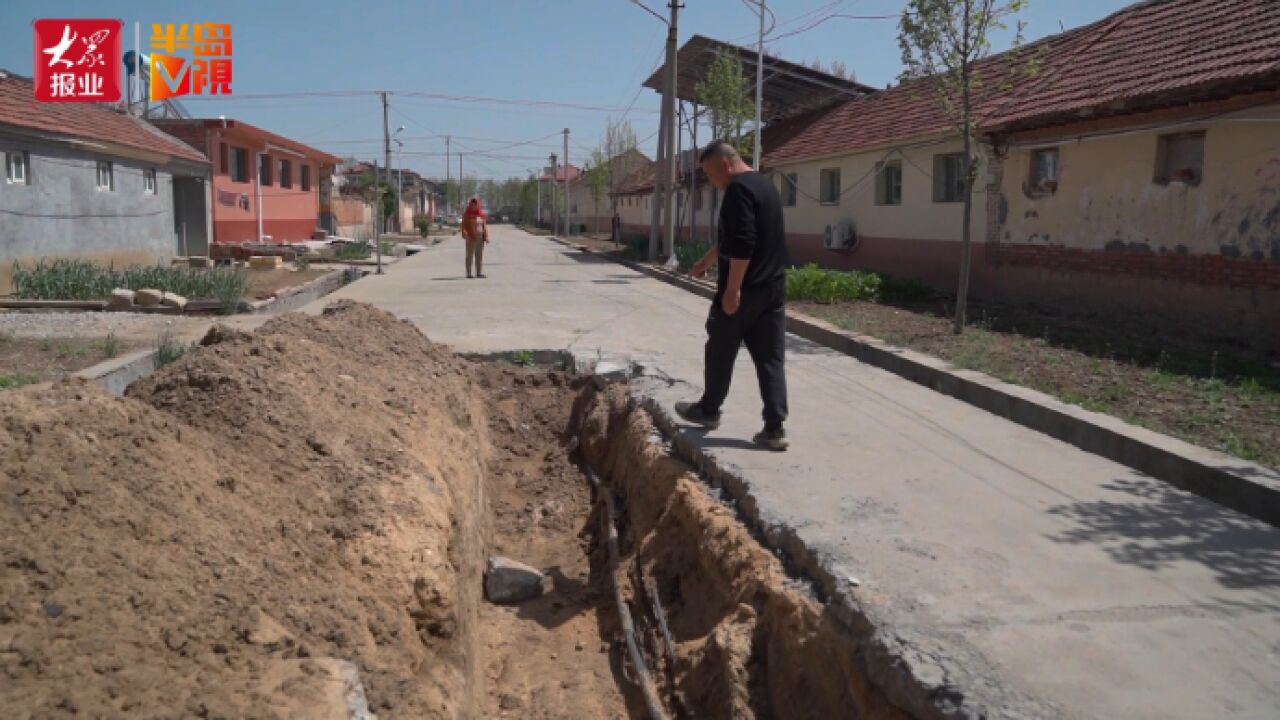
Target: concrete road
1036	567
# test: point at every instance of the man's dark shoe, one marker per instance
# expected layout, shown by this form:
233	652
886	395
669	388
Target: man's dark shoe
692	412
772	439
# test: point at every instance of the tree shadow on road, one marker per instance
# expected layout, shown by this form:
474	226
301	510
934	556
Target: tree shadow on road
1156	526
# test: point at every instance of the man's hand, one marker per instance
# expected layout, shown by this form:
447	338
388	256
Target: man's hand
731	302
700	268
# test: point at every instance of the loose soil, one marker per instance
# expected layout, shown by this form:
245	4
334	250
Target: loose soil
1206	392
24	361
266	283
221	541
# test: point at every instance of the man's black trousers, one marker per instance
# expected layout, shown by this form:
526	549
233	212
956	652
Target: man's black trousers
761	323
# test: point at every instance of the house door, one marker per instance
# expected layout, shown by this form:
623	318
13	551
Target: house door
190	213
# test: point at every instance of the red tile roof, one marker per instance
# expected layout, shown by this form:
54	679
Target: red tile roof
253	130
1151	49
90	121
573	172
1154	51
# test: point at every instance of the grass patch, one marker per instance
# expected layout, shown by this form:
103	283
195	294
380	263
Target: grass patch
15	380
812	283
523	358
75	279
109	346
691	252
168	350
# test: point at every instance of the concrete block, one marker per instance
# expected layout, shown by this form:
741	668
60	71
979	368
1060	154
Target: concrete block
508	581
173	300
199	261
265	262
179	260
148	297
121	299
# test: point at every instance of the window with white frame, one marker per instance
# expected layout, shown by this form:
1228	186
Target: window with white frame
789	189
106	175
829	187
286	174
17	167
948	178
1180	158
149	181
1044	171
889	183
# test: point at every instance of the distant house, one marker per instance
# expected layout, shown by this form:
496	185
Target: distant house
553	191
595	214
1136	172
82	180
266	187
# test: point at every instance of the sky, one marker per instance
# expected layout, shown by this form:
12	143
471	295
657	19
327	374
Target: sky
542	54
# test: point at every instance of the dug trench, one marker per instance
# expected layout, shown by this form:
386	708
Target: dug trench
295	523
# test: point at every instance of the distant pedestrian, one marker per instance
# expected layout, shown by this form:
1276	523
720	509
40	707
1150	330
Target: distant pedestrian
475	231
751	292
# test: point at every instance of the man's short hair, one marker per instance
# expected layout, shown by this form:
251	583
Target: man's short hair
718	149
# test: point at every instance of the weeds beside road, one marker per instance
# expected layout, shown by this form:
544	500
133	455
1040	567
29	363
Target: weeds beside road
1192	389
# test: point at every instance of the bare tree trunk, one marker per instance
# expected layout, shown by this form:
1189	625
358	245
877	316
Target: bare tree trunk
962	292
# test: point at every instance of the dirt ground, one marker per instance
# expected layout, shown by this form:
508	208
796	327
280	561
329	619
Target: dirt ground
324	489
545	658
24	361
1203	391
266	283
277	513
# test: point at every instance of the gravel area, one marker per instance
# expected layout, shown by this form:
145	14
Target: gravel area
130	327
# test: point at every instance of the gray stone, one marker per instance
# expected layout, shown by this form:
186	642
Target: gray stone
199	261
121	299
148	297
509	581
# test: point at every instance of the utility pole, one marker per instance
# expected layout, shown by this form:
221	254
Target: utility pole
386	142
377	239
665	170
568	199
669	115
462	202
755	154
555	209
448	165
657	181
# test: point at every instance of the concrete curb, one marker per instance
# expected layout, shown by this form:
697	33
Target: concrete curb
116	374
1238	484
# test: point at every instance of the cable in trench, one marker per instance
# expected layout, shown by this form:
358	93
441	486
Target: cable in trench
656	709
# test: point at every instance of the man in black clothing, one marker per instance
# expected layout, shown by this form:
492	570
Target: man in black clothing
751	293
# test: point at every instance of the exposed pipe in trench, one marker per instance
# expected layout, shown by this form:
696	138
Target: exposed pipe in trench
656	709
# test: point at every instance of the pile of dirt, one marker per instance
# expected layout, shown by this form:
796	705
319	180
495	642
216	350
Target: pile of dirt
310	491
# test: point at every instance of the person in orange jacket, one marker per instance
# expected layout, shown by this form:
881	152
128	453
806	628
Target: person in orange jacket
475	231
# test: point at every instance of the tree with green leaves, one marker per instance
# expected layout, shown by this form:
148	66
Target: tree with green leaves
730	106
597	177
619	139
942	42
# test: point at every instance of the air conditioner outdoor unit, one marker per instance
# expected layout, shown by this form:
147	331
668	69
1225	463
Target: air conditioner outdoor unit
840	236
